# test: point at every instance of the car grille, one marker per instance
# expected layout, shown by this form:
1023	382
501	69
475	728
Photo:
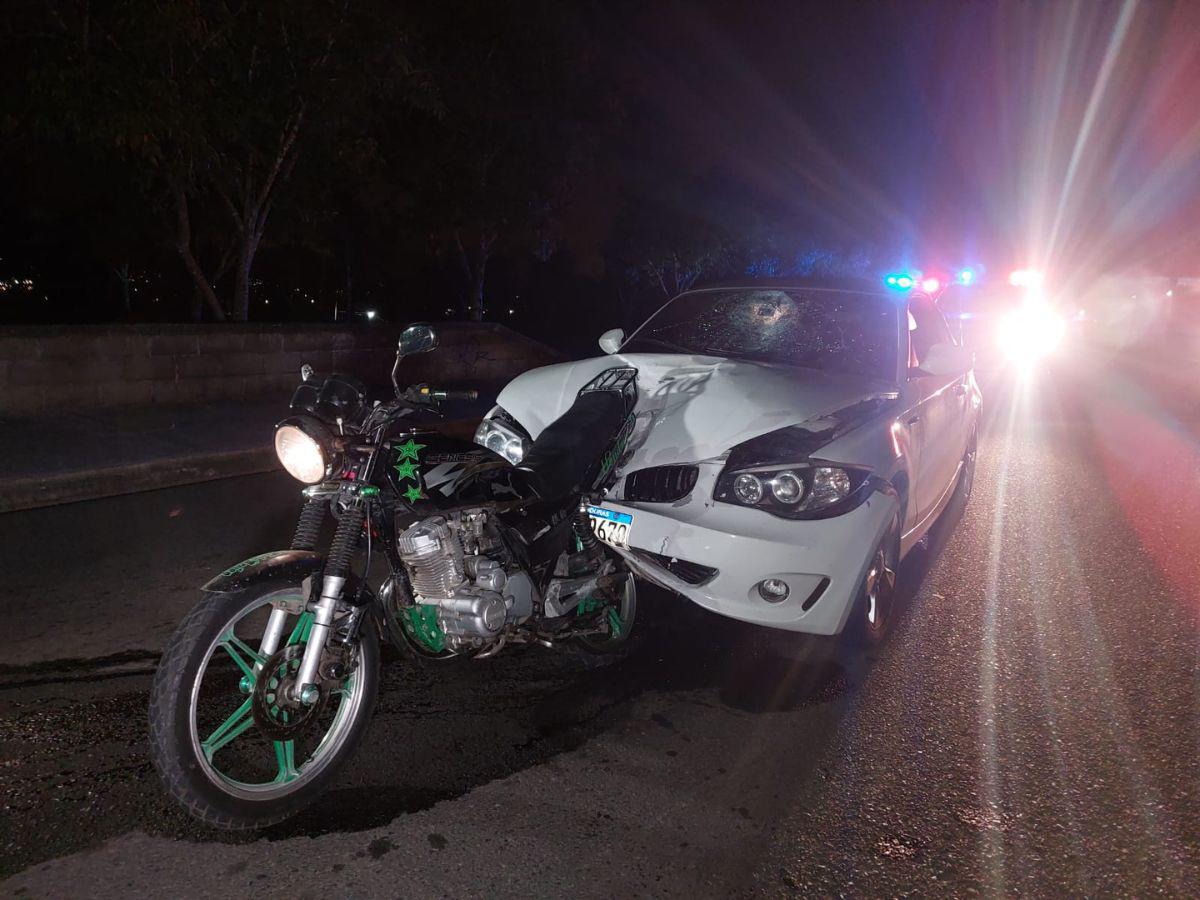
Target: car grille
661	484
692	573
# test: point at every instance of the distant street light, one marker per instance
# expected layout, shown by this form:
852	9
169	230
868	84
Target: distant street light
370	315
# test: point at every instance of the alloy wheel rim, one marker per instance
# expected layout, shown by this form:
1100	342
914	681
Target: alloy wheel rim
619	618
290	774
881	581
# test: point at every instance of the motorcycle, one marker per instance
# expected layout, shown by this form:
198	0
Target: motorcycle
266	688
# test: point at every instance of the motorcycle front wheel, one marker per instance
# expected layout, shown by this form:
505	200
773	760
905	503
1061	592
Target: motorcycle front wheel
227	745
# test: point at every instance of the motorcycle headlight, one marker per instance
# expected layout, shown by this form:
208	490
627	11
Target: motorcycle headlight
502	439
305	449
802	491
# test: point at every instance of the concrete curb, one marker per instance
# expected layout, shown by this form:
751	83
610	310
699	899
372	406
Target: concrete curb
92	484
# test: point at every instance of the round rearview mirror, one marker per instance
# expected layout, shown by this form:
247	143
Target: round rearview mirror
417	339
611	340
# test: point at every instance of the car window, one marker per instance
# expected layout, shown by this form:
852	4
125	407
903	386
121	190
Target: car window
926	327
832	330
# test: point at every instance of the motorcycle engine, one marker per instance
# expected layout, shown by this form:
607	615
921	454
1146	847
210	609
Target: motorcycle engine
475	596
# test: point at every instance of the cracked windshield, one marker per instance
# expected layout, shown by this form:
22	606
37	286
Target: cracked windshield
837	331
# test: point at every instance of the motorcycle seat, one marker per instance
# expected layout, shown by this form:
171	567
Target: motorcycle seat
566	455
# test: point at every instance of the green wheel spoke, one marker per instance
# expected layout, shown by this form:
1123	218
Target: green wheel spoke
285	756
303	627
228	730
239	649
614	623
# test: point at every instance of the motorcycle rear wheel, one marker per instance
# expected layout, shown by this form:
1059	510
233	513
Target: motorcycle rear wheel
620	620
233	776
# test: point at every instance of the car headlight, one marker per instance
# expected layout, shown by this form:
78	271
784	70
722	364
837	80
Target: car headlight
305	449
802	491
502	439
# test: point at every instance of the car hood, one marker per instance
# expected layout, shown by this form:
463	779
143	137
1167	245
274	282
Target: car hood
692	408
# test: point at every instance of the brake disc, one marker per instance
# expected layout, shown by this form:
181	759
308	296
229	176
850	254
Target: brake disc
277	713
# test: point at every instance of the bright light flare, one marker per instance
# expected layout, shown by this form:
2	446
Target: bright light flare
965	276
1026	278
930	285
1030	334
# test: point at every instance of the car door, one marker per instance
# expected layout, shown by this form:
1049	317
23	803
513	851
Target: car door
957	398
935	416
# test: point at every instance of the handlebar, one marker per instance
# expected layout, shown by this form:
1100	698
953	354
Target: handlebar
437	394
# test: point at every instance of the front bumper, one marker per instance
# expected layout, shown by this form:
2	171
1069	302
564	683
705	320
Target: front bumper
745	546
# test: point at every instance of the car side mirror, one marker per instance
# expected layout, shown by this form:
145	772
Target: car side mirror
611	340
417	339
946	359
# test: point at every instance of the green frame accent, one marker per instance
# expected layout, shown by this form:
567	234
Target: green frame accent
420	621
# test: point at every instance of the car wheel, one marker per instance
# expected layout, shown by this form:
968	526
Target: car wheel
874	606
966	478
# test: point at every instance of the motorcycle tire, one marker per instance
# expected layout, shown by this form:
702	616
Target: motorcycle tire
186	763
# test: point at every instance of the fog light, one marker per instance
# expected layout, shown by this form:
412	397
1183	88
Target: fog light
773	590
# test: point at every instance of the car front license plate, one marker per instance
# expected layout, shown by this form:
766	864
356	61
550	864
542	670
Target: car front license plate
611	526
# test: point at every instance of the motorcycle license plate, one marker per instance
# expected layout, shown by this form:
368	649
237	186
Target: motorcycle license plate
611	526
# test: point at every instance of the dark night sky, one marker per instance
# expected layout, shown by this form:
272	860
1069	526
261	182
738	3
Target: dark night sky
1061	134
946	130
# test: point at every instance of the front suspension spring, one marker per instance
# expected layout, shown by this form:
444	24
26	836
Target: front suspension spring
583	531
345	542
308	529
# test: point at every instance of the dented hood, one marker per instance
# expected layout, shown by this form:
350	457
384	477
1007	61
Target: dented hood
694	407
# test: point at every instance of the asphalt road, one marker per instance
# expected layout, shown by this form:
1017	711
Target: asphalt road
1030	728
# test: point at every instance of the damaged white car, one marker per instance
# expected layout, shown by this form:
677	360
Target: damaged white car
791	444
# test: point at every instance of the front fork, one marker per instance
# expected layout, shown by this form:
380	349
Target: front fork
337	568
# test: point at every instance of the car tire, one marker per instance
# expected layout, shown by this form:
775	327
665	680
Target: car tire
874	603
966	478
941	530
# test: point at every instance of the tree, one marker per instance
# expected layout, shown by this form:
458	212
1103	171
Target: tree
519	114
673	231
213	103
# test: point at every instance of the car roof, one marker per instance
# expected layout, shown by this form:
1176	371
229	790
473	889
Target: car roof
855	285
859	286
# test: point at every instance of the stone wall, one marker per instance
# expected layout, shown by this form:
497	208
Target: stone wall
45	370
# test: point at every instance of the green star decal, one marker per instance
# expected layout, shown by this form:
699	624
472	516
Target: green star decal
406	468
409	450
413	494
